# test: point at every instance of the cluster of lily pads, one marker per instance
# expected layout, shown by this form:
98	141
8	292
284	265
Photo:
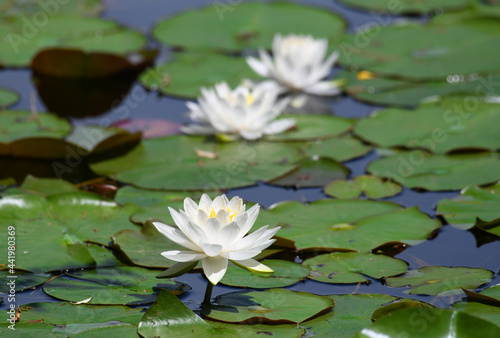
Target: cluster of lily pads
98	247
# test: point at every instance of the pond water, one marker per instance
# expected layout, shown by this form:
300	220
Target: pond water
448	247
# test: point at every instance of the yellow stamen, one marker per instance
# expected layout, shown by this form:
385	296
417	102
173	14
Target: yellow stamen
213	214
250	99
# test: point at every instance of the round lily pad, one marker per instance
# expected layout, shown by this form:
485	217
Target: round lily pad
24	38
435	127
359	225
350	267
7	98
444	323
372	187
232	164
64	221
440	280
285	274
425	52
418	169
411	6
188	72
474	202
169	317
340	149
121	285
276	306
239	25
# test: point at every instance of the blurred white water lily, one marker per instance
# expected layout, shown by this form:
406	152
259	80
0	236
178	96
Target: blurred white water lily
298	64
244	112
214	232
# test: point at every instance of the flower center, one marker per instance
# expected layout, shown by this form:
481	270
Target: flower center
213	214
250	99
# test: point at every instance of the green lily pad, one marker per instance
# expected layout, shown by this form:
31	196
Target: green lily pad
359	225
103	256
411	6
429	323
350	267
31	7
311	127
425	52
64	221
483	311
398	305
237	26
24	38
144	247
42	186
154	162
340	149
63	319
417	169
7	97
285	274
492	227
313	173
23	280
188	72
489	296
474	202
273	306
397	92
435	127
169	317
351	314
372	187
115	285
440	280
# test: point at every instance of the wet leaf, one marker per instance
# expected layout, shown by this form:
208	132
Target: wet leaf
42	186
440	280
7	97
351	267
23	280
285	274
483	311
310	127
410	6
370	186
340	149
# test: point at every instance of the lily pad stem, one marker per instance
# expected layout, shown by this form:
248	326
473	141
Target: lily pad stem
208	293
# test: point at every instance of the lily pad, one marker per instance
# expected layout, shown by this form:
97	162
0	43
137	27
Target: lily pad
372	187
411	6
235	164
350	267
7	97
435	127
24	38
237	26
418	169
64	221
23	280
492	227
474	202
273	306
359	225
483	311
429	323
85	8
42	186
311	127
285	274
169	317
440	280
425	52
313	173
340	149
188	72
488	296
112	286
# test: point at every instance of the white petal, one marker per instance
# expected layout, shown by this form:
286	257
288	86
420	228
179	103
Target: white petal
196	234
323	88
175	235
212	250
228	233
178	219
240	255
223	217
253	265
183	255
218	203
250	135
212	229
258	66
198	129
205	203
190	207
252	214
202	217
214	268
279	126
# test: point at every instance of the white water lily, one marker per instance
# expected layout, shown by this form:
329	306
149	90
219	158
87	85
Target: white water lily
243	112
214	232
298	64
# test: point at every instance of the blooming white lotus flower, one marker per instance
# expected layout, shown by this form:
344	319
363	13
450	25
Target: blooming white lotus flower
243	112
214	232
298	64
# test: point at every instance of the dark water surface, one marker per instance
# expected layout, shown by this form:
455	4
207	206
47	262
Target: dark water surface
449	246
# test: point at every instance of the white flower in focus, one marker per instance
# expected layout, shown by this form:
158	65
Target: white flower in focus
244	112
214	232
298	64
